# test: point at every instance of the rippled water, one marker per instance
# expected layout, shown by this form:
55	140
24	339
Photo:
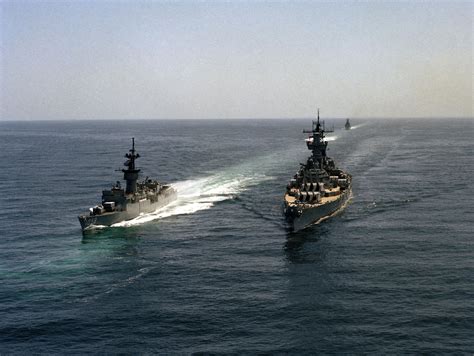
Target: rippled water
217	271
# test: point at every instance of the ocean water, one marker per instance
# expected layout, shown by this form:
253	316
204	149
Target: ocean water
217	272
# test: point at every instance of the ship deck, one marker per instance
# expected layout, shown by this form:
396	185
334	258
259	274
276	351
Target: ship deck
291	200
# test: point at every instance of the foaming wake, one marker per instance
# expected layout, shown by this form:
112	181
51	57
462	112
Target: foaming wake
95	227
199	194
358	126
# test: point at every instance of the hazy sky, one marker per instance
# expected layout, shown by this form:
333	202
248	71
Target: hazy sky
152	59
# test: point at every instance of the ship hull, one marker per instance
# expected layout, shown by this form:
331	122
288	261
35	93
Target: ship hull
132	211
311	215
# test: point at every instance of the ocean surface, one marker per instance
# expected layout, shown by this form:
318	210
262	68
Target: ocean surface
217	272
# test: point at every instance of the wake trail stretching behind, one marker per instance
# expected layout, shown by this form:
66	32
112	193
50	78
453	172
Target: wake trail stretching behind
358	126
200	194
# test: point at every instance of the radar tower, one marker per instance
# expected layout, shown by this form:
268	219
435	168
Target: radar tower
130	175
316	142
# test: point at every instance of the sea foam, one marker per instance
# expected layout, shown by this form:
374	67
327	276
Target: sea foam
198	194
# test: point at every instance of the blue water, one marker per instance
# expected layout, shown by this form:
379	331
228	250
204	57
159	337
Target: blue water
217	272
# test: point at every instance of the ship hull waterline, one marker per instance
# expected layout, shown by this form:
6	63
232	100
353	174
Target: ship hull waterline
145	206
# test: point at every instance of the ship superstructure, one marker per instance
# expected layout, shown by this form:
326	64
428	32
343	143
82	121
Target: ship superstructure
319	188
138	197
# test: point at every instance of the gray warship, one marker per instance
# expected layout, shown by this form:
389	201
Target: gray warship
347	125
319	188
120	204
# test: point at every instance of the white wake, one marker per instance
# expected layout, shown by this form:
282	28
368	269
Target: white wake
358	126
199	194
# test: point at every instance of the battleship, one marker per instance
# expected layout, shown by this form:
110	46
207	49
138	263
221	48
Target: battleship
119	204
319	189
347	125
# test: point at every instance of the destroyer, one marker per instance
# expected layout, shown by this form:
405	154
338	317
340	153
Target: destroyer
319	188
120	204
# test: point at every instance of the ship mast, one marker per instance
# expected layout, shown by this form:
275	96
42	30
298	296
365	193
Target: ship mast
316	142
130	175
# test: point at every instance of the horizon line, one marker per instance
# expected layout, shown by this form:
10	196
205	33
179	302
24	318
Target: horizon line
248	118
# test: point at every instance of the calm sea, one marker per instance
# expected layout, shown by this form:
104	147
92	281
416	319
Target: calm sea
217	272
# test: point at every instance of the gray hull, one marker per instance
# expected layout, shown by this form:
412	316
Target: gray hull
313	215
132	211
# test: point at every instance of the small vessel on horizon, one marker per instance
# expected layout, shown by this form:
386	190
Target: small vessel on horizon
120	204
347	125
319	188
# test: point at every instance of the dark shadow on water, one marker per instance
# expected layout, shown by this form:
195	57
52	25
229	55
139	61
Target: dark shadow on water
117	242
99	235
297	245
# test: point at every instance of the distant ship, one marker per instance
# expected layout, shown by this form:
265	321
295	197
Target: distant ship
120	204
347	125
319	188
